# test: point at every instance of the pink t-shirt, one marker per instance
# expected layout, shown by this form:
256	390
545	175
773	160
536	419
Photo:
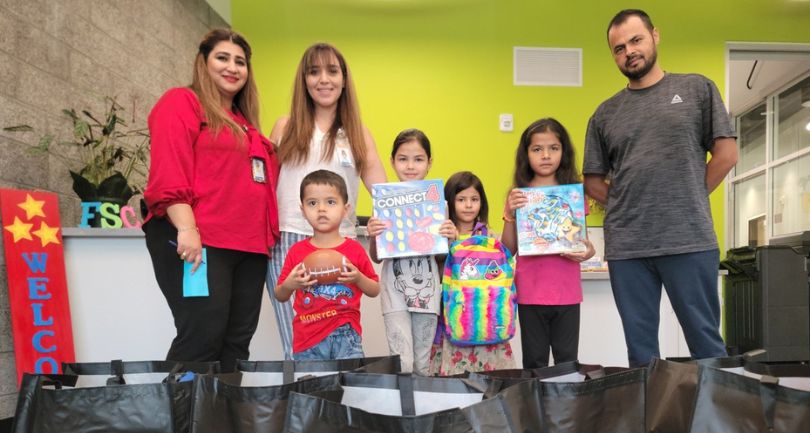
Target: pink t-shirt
547	280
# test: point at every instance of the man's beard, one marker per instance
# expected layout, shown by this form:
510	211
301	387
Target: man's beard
640	73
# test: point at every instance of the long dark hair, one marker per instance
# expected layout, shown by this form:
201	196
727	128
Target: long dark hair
459	182
294	145
409	135
566	172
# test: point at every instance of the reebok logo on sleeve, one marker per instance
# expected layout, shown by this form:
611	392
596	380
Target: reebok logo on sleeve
676	99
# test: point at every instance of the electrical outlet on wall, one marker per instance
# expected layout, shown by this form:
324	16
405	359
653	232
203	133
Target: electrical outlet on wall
505	123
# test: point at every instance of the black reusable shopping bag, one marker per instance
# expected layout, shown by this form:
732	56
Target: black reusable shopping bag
735	401
323	413
515	409
101	400
593	399
255	400
267	373
672	391
409	394
47	406
585	398
571	371
133	372
220	406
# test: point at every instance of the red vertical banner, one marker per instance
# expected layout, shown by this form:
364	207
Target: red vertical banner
37	285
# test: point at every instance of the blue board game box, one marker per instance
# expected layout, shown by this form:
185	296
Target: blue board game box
553	221
412	213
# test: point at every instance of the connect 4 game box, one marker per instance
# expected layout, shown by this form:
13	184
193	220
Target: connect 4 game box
412	213
553	221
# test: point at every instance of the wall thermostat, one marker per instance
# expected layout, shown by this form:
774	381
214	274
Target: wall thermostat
505	123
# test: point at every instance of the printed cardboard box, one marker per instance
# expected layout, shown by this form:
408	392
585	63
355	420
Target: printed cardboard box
412	212
553	221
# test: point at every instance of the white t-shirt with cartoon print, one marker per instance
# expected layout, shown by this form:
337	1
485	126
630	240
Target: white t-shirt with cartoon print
411	284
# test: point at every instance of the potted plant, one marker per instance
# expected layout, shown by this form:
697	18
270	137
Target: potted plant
110	160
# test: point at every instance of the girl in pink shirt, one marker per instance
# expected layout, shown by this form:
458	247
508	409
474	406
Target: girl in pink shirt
549	290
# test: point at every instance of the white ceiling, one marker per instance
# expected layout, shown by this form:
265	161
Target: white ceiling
769	76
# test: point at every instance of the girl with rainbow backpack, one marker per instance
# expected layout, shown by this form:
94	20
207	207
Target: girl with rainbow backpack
467	344
411	286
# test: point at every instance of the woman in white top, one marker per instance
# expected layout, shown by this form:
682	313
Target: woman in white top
323	131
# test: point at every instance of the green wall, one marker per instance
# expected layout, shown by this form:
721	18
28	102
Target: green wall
445	66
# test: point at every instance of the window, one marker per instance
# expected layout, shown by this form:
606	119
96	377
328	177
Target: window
793	120
791	196
749	195
751	139
770	185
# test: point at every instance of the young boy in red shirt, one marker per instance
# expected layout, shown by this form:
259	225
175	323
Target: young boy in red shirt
327	317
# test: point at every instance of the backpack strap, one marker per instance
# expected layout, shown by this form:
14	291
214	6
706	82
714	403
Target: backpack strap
481	228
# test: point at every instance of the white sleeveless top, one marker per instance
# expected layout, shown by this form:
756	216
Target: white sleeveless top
291	219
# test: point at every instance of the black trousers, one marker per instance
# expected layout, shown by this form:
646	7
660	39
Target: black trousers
548	326
217	327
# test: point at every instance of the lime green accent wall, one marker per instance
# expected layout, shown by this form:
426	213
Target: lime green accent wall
445	66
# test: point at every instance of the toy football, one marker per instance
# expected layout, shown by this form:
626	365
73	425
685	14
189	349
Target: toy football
325	265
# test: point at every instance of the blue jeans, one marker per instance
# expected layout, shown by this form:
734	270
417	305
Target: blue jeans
691	283
344	342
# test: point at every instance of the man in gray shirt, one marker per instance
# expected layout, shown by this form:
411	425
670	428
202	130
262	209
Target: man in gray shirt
651	141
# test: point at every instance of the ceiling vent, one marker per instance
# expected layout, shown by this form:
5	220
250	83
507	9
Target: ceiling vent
536	66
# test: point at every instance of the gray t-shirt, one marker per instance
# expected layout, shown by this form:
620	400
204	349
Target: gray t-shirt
652	145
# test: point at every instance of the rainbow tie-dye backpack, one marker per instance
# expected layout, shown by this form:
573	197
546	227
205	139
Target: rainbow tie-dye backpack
478	292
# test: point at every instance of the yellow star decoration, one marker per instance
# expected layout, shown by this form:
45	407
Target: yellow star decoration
20	230
32	207
47	235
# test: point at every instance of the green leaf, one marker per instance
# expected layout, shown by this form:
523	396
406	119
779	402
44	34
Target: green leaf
110	126
90	116
44	143
108	152
80	128
19	128
70	113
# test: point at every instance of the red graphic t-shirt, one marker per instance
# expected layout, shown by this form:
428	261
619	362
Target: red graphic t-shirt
320	309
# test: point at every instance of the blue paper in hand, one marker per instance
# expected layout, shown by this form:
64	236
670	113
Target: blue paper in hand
196	284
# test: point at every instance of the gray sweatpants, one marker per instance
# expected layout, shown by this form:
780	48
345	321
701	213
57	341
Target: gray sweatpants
410	335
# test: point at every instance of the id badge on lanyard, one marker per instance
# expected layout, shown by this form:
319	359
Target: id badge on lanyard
344	157
258	169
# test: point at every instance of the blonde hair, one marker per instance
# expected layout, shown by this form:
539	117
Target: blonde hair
294	145
246	100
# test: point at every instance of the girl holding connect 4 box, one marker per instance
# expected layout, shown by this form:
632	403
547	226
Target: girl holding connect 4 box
411	286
